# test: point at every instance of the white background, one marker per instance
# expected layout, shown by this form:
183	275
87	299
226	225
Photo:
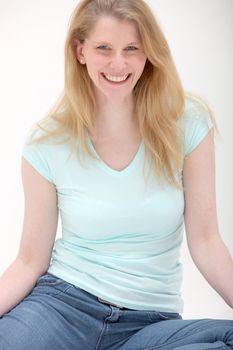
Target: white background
32	36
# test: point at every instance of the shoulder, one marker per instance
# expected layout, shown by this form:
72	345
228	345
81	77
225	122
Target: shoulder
44	132
196	120
41	149
195	110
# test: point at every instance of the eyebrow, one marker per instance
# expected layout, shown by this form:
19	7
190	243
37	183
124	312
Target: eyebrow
105	42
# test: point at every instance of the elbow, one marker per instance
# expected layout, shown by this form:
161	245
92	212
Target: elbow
38	267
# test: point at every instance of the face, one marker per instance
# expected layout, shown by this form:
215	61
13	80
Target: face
114	57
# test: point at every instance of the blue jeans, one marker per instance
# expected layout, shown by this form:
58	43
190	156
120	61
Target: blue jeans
56	315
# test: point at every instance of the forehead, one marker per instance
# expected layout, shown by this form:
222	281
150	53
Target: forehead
109	28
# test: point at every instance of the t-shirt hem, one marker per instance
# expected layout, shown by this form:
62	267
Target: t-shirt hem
129	305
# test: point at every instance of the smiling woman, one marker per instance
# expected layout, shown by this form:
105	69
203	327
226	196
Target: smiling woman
126	158
114	61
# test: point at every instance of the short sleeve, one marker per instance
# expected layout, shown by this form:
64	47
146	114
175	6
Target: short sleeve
37	154
197	123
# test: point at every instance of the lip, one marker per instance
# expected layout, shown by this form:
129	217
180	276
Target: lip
116	75
116	83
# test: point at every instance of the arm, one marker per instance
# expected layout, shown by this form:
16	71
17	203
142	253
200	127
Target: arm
207	249
38	235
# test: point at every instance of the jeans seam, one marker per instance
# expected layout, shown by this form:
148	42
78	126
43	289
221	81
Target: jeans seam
159	346
63	291
100	336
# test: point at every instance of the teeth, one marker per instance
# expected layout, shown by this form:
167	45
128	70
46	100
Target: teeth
117	79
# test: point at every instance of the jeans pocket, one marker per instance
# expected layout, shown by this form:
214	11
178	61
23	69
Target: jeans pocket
156	316
49	284
49	280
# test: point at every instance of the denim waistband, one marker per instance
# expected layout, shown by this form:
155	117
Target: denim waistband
107	302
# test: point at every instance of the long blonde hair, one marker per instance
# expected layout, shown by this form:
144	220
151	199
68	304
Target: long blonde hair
159	95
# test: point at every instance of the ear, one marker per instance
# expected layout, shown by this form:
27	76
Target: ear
79	51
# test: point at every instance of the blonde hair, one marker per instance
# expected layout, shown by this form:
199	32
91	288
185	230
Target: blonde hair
159	95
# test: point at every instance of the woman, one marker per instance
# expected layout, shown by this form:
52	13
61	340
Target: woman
145	167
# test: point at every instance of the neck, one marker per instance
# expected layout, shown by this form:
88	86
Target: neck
115	117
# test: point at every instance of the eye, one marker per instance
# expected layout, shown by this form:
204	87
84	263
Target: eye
132	48
102	47
129	48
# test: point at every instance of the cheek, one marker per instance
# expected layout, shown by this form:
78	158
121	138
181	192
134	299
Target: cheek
140	64
98	62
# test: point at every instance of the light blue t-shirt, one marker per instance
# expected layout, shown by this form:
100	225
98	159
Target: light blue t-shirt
120	238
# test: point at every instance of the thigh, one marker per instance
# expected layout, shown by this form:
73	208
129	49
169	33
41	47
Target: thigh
49	319
182	334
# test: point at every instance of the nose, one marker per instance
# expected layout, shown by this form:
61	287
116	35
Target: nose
118	62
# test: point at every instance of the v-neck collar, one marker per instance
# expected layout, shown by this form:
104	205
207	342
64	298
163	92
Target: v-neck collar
112	171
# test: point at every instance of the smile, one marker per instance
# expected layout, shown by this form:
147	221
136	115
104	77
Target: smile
115	79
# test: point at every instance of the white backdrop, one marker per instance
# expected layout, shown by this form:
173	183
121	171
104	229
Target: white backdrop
32	35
